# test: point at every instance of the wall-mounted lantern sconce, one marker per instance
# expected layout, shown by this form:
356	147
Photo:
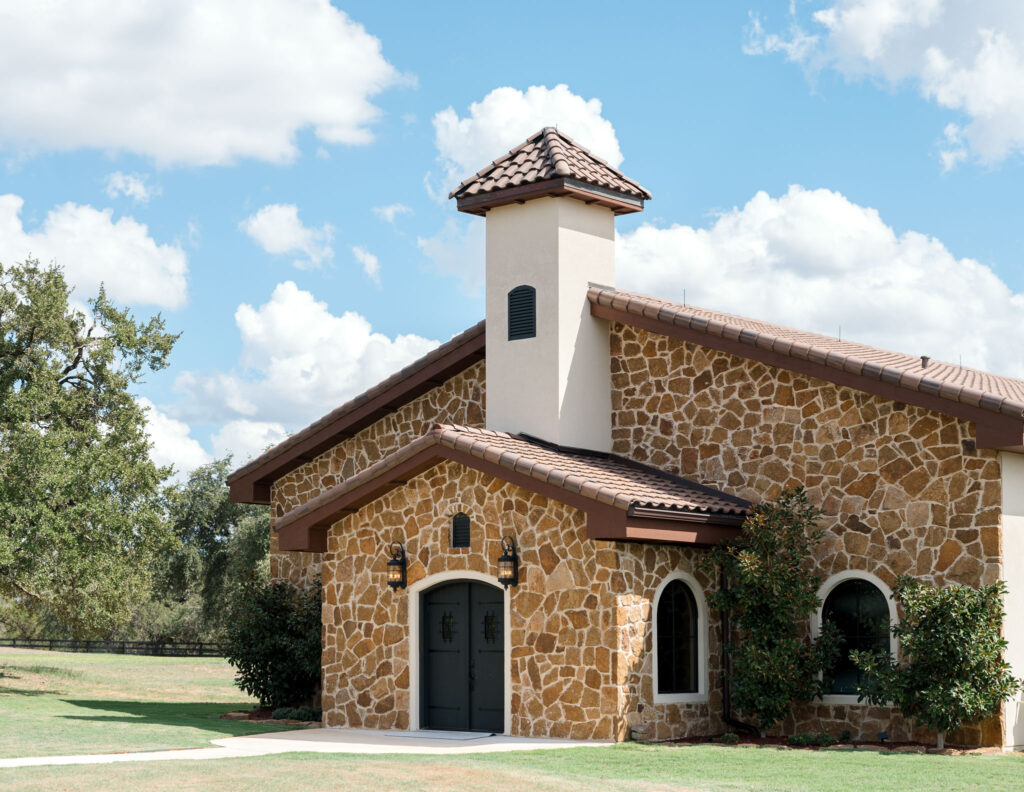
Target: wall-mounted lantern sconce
508	564
396	566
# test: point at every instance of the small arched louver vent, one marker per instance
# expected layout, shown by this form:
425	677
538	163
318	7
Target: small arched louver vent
522	313
460	530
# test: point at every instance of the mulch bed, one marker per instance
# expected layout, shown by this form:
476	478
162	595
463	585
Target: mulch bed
756	741
262	715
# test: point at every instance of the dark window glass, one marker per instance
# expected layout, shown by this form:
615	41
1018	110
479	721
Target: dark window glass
677	639
522	313
861	613
460	530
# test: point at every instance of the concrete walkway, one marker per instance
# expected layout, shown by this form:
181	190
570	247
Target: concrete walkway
352	741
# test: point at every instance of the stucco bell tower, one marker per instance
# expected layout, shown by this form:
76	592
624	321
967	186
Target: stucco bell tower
550	207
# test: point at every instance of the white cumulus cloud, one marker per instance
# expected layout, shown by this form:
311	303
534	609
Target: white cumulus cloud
277	229
391	211
245	440
506	117
172	443
371	264
298	361
966	56
458	251
199	82
130	185
93	248
813	259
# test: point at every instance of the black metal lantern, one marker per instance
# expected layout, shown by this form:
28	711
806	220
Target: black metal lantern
396	566
508	564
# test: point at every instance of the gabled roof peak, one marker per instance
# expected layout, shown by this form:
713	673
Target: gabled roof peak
549	163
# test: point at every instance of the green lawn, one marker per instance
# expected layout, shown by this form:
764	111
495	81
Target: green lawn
617	769
54	703
65	703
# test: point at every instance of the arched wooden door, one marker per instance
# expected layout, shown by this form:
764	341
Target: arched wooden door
462	645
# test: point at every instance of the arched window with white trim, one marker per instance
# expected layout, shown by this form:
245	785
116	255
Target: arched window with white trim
678	656
863	616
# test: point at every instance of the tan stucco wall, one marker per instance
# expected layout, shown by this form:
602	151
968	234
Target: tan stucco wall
580	633
555	385
459	400
903	488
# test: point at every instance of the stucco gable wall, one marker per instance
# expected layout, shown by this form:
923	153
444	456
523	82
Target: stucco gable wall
458	400
903	488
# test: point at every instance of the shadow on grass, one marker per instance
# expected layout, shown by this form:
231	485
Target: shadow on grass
204	715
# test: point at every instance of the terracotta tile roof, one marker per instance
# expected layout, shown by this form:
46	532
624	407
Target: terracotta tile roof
604	478
449	358
992	392
549	154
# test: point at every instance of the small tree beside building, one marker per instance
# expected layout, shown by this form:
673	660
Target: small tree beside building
770	596
952	672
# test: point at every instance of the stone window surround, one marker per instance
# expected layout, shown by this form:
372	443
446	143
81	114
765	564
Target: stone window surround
703	641
414	593
823	592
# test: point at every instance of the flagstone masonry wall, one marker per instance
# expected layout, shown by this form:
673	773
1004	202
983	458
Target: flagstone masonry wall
904	489
459	400
580	616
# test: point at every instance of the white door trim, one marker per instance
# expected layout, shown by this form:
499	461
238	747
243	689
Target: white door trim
415	595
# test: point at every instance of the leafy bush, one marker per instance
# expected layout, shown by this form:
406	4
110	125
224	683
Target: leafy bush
297	713
845	736
273	642
771	596
953	670
805	739
729	738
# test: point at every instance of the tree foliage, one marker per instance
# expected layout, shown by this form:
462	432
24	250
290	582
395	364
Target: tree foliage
273	641
80	508
770	595
952	670
220	544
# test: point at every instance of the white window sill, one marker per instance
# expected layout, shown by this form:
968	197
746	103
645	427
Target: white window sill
680	698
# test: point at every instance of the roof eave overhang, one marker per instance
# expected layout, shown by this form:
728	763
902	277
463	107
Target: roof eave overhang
252	484
308	531
619	203
994	430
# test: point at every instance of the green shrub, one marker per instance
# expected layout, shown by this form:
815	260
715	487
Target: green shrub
845	736
297	713
771	596
805	739
953	670
273	642
729	738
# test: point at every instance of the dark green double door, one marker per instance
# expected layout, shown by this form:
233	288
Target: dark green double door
463	657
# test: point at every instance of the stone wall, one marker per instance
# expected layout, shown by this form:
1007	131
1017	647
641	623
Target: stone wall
459	400
580	617
904	489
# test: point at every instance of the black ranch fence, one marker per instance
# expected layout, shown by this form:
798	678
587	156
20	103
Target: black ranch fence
155	648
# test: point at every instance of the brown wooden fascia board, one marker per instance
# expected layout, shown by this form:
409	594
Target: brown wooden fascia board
254	486
479	204
994	431
309	531
701	530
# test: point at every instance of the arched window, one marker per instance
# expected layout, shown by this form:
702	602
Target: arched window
460	530
861	613
677	639
522	313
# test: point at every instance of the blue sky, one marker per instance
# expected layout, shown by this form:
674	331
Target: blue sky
271	175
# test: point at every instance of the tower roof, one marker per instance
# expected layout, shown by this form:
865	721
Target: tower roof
549	163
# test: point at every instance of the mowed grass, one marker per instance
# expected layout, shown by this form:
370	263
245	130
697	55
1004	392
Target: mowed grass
64	703
617	769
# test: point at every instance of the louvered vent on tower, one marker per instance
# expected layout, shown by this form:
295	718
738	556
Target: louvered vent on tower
522	313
